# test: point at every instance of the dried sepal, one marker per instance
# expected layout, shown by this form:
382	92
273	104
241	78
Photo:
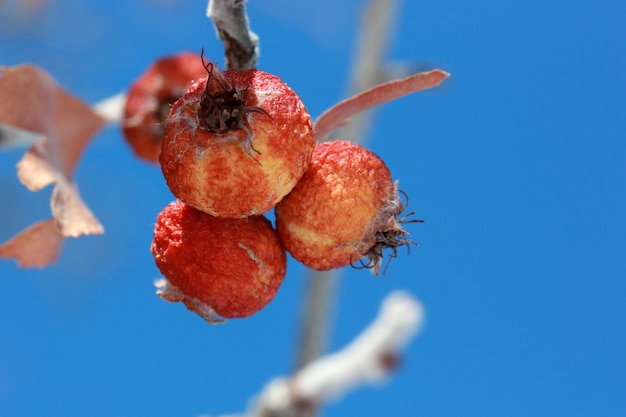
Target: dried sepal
170	292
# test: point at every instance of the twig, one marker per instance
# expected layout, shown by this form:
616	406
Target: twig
376	32
318	308
368	359
231	22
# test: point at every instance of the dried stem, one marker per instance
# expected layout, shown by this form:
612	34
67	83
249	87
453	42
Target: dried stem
231	22
375	35
370	358
319	300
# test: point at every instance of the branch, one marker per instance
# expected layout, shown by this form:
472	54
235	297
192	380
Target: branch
370	358
231	22
378	25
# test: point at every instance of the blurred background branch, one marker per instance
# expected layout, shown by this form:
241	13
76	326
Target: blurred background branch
375	31
369	358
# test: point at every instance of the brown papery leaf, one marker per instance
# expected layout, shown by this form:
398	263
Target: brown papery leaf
72	215
32	101
339	114
28	97
37	246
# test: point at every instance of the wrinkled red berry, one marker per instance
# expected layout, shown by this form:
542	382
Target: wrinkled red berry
150	98
233	267
344	208
236	143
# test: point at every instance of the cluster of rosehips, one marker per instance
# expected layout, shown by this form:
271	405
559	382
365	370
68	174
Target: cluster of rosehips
235	145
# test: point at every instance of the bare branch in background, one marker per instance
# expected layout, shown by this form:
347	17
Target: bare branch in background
369	359
378	24
231	22
373	39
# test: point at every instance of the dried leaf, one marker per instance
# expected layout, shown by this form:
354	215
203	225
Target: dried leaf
37	246
34	170
339	114
28	95
32	101
72	215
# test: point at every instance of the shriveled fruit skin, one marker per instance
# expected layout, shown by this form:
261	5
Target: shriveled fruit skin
333	217
244	170
234	266
149	99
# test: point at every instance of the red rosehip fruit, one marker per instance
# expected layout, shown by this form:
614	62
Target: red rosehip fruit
216	266
149	100
344	209
236	143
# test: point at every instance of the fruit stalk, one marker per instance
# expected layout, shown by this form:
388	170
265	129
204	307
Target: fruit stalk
241	45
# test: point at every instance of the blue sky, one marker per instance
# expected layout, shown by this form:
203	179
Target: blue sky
517	163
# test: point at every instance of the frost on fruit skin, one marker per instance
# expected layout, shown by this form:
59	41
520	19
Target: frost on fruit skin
248	166
344	208
150	98
233	267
